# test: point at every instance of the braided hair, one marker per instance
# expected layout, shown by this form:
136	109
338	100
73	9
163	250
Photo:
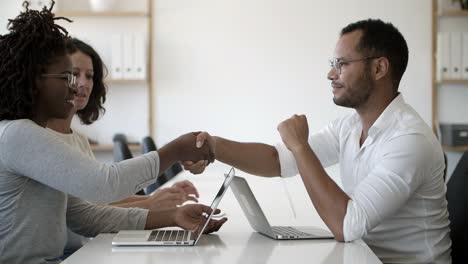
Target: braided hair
33	42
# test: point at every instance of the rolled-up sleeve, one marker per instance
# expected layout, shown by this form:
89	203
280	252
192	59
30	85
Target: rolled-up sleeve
324	143
389	185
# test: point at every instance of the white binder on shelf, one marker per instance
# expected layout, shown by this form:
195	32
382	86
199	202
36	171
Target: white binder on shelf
116	57
448	5
443	55
455	55
465	56
128	56
139	56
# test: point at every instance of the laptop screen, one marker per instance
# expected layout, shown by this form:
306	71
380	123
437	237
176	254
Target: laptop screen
199	231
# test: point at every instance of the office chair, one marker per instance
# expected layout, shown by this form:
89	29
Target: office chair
147	145
122	152
457	198
120	149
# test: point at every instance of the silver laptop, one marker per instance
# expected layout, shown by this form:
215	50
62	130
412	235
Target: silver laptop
171	237
259	222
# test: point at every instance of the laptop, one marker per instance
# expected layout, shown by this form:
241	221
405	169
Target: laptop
171	237
259	222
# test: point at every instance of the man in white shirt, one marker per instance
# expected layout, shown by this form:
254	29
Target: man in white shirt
391	164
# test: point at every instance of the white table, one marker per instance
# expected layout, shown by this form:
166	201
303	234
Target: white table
227	247
236	242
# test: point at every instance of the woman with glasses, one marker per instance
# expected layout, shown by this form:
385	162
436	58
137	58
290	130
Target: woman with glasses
38	172
89	71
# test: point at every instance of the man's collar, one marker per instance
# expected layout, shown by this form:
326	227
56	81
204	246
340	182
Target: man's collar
384	119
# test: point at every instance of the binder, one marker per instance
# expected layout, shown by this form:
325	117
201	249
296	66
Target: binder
455	55
116	57
139	56
443	55
128	57
465	56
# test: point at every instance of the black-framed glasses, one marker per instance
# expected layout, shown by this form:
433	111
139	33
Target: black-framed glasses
70	77
338	63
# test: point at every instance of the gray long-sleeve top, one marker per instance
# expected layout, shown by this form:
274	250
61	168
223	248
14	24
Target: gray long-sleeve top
38	170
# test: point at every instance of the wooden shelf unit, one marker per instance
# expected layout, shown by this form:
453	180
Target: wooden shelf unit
455	149
453	13
106	148
102	14
125	81
146	16
437	16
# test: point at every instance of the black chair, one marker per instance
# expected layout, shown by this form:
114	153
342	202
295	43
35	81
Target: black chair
147	145
122	152
457	198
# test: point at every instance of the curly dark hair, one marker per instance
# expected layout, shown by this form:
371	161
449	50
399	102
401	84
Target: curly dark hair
33	42
95	107
382	39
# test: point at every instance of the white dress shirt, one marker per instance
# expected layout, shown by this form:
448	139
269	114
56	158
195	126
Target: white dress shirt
395	182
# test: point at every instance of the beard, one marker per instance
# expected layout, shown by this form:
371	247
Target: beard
357	93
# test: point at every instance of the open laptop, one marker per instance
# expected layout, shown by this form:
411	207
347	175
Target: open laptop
171	237
259	222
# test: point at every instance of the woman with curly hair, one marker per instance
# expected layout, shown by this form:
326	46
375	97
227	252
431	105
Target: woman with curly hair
43	182
90	96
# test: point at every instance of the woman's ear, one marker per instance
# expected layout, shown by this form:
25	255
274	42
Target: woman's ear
381	68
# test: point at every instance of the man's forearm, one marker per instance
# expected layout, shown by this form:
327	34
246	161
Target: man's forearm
328	198
254	158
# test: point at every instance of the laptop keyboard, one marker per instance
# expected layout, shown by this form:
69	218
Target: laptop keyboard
169	235
288	231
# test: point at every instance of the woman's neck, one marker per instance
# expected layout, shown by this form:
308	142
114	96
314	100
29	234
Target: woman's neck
61	125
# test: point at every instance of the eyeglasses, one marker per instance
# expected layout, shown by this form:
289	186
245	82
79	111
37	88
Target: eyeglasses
338	63
71	78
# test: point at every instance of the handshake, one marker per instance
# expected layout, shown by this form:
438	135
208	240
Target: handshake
195	150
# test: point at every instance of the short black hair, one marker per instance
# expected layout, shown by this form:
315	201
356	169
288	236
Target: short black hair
33	42
382	39
95	106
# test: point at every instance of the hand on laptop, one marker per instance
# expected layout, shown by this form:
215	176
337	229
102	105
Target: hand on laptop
190	217
203	139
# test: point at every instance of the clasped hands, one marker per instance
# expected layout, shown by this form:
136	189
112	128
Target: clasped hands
198	149
294	133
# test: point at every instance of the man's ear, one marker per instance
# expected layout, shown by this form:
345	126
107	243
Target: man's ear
381	68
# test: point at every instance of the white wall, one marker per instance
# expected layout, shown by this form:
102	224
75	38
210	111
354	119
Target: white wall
8	9
236	68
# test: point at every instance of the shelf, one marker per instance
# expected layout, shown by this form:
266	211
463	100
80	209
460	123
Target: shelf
103	148
453	13
126	81
455	149
453	81
102	14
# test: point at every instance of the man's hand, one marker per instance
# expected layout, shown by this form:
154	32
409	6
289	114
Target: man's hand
195	167
294	132
199	167
187	148
189	217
